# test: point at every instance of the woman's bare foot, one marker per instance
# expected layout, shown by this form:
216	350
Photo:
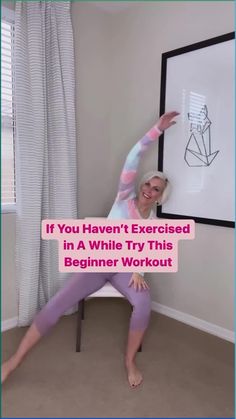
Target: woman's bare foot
134	375
7	368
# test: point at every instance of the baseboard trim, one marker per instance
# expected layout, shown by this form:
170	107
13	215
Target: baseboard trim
169	312
9	324
194	322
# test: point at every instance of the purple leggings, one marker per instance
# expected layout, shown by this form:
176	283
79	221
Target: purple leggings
81	285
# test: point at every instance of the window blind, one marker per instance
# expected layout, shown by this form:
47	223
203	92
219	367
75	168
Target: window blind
7	112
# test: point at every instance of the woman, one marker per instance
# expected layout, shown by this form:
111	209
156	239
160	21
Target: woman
154	189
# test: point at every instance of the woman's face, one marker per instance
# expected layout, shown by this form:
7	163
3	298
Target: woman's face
151	191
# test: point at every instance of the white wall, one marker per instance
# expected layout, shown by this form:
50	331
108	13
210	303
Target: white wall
93	76
118	61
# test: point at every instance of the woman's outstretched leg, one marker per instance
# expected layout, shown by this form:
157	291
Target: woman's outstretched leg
141	302
79	286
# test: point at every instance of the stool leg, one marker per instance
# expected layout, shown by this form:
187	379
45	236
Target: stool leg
78	328
82	309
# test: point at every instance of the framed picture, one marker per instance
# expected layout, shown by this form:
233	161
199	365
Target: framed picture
197	154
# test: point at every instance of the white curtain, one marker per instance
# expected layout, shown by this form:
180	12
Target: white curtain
46	163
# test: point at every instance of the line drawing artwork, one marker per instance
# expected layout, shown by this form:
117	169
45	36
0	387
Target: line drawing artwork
198	152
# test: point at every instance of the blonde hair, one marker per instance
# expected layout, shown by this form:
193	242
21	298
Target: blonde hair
160	175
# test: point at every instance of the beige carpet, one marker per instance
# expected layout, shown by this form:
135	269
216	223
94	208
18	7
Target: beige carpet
187	373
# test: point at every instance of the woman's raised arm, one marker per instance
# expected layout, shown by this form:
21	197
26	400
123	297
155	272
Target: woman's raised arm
129	172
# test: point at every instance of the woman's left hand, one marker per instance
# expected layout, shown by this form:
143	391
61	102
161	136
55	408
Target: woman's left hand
166	120
138	282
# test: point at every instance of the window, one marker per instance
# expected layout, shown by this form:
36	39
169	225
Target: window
7	108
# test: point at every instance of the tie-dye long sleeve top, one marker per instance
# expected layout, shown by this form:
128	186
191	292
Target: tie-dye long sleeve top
124	205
